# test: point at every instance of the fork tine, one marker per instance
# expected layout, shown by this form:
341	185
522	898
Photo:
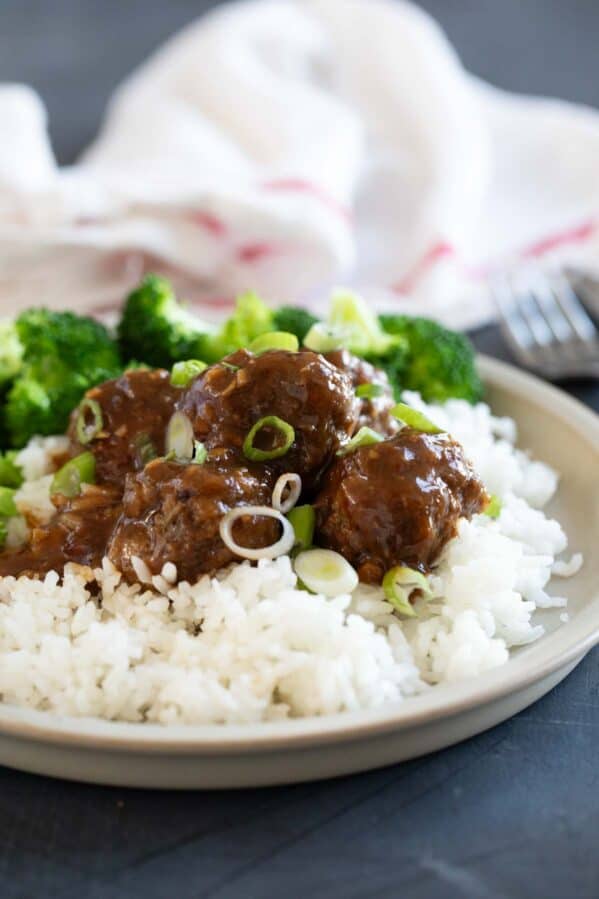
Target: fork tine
553	314
532	311
573	309
512	324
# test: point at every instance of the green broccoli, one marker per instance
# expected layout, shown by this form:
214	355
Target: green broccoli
251	318
11	474
63	356
439	363
351	323
293	319
156	328
11	352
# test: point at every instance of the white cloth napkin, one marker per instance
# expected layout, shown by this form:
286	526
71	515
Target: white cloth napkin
292	146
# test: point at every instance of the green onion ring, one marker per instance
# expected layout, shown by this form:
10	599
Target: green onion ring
364	437
291	481
302	519
493	507
414	419
369	391
87	432
399	583
269	421
274	340
179	437
200	453
183	373
74	473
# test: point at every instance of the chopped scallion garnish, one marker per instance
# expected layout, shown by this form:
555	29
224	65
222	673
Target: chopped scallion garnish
183	373
364	437
369	391
74	473
179	437
414	419
493	508
326	572
399	583
85	428
269	421
274	340
302	520
200	453
146	451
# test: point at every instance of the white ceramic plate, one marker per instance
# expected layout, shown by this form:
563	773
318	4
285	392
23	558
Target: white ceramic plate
557	430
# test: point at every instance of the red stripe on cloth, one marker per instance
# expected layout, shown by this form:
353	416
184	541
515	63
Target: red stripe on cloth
440	250
578	234
300	185
543	246
214	302
208	221
251	253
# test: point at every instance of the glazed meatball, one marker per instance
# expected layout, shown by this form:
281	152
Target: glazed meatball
302	389
78	533
172	513
397	502
374	412
135	411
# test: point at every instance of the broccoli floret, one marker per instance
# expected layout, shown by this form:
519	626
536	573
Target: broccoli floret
352	324
156	328
11	474
294	319
11	352
63	356
251	318
439	364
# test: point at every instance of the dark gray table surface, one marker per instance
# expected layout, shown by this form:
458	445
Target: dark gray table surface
511	813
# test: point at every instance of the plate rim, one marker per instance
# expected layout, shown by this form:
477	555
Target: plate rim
577	636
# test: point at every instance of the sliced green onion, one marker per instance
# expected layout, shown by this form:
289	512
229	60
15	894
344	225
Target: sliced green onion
269	421
183	373
179	437
364	437
87	430
7	503
399	583
302	520
414	419
230	366
494	506
321	339
274	340
74	473
282	546
291	482
369	391
145	449
200	453
326	572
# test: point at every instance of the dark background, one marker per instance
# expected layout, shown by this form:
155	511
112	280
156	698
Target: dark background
511	813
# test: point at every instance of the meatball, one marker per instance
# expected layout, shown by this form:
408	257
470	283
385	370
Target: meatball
78	533
172	513
397	502
135	411
302	389
374	412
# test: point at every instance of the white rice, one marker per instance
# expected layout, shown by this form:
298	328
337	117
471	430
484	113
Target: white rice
248	646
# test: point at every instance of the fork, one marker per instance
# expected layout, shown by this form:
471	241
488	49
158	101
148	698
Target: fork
546	326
